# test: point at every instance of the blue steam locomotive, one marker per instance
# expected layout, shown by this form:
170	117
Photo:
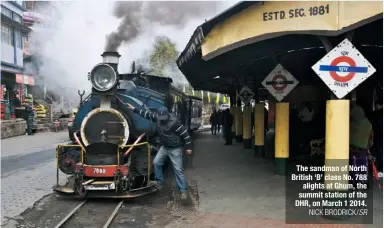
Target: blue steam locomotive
112	147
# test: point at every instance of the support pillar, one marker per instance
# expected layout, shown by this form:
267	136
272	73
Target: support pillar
239	125
239	122
281	137
232	110
259	130
247	127
337	145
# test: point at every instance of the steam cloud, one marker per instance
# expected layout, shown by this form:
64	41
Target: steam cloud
138	15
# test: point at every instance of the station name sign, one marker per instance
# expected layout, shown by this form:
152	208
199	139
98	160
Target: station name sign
315	10
193	45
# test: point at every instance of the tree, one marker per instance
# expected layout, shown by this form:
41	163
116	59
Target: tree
163	57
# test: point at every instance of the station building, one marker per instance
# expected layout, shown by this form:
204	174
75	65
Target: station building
250	47
244	44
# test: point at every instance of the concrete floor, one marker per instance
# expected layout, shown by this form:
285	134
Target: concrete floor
228	187
232	181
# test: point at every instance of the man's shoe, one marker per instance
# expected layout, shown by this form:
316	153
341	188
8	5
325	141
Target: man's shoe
156	185
184	196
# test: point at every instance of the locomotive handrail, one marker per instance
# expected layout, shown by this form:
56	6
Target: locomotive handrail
77	140
85	99
134	144
148	152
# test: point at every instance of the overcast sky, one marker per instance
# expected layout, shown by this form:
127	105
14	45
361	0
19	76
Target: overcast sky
79	38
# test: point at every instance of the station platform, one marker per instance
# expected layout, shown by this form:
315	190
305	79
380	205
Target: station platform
230	187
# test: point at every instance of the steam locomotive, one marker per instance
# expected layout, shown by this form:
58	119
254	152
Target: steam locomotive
112	147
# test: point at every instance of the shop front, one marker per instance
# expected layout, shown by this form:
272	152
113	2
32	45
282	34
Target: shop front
14	96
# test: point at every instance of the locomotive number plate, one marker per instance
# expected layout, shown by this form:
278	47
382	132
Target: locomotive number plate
99	170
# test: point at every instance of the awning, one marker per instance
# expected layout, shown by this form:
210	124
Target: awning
239	47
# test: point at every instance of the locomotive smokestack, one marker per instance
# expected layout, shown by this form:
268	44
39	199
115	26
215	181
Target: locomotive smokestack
111	58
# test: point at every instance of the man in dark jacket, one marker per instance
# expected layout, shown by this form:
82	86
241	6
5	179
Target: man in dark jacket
227	127
219	122
173	136
213	121
29	118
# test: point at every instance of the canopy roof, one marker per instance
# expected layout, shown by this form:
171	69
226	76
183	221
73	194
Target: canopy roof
235	46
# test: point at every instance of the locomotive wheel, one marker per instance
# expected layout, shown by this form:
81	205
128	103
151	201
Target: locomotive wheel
67	160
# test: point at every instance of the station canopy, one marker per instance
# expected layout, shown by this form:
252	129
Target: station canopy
244	43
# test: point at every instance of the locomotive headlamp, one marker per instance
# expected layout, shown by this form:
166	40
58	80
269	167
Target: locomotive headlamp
103	77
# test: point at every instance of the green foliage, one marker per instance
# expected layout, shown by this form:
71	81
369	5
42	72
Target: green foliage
164	58
164	55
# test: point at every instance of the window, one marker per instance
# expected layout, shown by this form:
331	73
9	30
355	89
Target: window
18	38
7	12
17	17
6	34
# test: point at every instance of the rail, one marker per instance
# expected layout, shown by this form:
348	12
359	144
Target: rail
78	208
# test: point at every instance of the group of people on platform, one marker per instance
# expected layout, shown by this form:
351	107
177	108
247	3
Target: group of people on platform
366	131
224	119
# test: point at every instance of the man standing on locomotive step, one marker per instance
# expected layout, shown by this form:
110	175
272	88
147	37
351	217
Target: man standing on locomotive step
173	135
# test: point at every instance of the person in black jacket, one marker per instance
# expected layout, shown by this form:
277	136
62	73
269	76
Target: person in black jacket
219	115
29	118
227	127
173	136
213	121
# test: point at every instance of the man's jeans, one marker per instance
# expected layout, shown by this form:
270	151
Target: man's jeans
176	158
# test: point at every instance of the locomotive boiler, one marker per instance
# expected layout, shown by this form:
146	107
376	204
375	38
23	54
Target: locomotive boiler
112	147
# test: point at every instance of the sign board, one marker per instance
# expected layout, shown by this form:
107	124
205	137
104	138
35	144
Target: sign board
280	82
343	68
246	95
25	79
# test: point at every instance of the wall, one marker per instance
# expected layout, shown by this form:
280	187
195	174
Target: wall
12	128
7	53
12	7
19	57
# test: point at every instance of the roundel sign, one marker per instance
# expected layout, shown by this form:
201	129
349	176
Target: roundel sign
246	94
343	68
279	82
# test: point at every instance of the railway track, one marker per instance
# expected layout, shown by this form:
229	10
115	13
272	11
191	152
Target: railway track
93	214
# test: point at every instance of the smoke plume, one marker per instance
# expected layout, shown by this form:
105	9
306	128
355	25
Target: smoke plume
69	42
136	17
